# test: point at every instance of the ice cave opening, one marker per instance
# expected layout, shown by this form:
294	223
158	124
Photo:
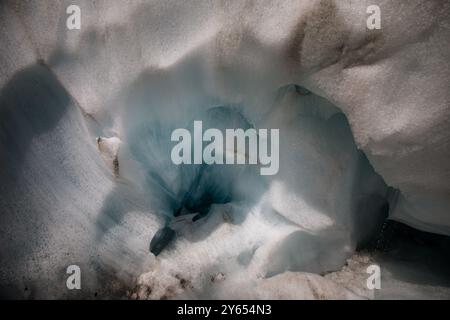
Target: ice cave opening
325	210
193	189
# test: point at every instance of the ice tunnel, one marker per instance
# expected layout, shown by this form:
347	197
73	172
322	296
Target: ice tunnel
87	178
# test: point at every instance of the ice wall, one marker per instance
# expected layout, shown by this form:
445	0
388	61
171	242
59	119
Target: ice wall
137	70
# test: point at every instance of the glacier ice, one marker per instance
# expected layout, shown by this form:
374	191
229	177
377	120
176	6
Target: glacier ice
85	123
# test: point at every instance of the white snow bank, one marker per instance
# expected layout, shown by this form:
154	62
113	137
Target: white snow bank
138	70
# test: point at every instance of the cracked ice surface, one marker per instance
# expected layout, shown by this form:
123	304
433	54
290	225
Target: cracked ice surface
138	70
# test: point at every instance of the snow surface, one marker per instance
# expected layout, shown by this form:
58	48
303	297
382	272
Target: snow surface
137	70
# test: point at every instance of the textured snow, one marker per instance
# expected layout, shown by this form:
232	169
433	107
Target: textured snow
137	70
